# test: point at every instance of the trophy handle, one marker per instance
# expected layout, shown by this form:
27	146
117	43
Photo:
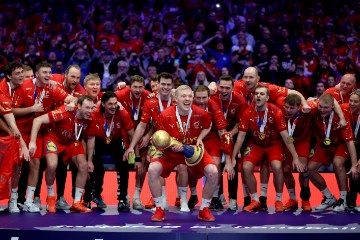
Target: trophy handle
174	142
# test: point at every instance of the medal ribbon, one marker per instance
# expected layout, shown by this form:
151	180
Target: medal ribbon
262	123
78	133
161	107
357	127
180	122
328	128
223	108
291	127
134	110
108	129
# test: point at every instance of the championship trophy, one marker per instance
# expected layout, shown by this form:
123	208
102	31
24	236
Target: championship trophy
193	154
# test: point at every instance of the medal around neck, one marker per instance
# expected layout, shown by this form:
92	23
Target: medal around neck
327	141
262	135
193	154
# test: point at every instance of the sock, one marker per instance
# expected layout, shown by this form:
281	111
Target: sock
245	190
264	187
255	196
279	196
178	193
292	194
78	194
13	193
183	193
193	191
204	203
163	193
137	193
30	194
343	195
327	193
50	189
158	202
216	193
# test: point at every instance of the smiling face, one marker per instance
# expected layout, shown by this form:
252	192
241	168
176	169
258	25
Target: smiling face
110	106
201	99
43	75
325	108
16	77
225	89
184	99
86	108
164	87
354	103
347	83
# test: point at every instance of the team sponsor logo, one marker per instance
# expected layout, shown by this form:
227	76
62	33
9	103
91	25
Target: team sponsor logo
51	147
196	124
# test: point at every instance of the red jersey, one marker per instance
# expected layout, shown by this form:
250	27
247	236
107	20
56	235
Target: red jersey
5	97
133	106
276	93
251	119
63	125
218	119
198	121
231	109
337	135
151	111
99	123
76	92
353	118
340	98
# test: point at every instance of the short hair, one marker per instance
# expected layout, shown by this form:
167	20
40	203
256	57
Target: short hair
154	78
326	98
91	76
82	98
255	69
181	88
72	66
261	86
43	64
165	75
202	88
105	97
227	78
9	68
27	68
356	92
293	99
136	78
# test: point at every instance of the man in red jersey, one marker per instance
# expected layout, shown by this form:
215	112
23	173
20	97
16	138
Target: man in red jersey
333	145
105	138
266	124
342	91
66	138
232	105
352	111
213	143
149	119
188	124
10	85
92	84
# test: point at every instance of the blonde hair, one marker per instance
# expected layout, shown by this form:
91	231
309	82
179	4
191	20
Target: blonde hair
91	76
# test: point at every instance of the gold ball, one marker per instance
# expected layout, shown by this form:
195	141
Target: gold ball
161	139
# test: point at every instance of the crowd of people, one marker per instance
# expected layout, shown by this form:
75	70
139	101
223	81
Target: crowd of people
259	75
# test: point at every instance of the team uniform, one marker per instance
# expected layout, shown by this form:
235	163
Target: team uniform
337	94
269	147
5	97
76	92
198	121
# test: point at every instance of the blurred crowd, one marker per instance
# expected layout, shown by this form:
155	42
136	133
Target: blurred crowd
303	45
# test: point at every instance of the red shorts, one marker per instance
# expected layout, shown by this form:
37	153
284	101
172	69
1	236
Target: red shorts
69	150
39	144
302	149
212	146
254	153
326	155
169	160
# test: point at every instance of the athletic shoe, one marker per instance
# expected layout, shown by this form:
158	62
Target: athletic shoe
159	215
205	215
79	207
99	202
12	205
193	200
263	203
306	206
326	203
31	207
165	204
184	206
279	206
253	206
37	202
51	204
122	206
62	204
291	205
247	200
2	209
137	204
150	204
217	205
177	202
340	206
222	199
357	209
232	205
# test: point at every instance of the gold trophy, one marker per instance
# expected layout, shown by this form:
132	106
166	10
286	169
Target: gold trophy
193	154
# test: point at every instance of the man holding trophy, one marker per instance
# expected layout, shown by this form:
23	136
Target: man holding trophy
180	127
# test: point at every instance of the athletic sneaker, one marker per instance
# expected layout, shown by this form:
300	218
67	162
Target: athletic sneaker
232	205
30	207
253	206
205	215
99	202
357	209
159	215
216	204
12	205
326	203
279	206
184	206
51	204
193	200
62	204
263	200
291	205
150	204
340	206
79	207
137	204
306	206
37	202
122	206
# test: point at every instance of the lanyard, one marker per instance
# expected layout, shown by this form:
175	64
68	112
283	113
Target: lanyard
291	127
108	129
78	132
222	106
161	107
180	122
328	128
135	110
262	123
357	127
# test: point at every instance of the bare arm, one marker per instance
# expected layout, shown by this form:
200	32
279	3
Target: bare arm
238	144
201	136
354	164
296	162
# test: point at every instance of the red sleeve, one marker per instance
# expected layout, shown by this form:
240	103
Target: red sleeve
58	114
5	104
347	133
280	120
146	113
244	120
59	78
59	94
206	120
126	120
218	116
